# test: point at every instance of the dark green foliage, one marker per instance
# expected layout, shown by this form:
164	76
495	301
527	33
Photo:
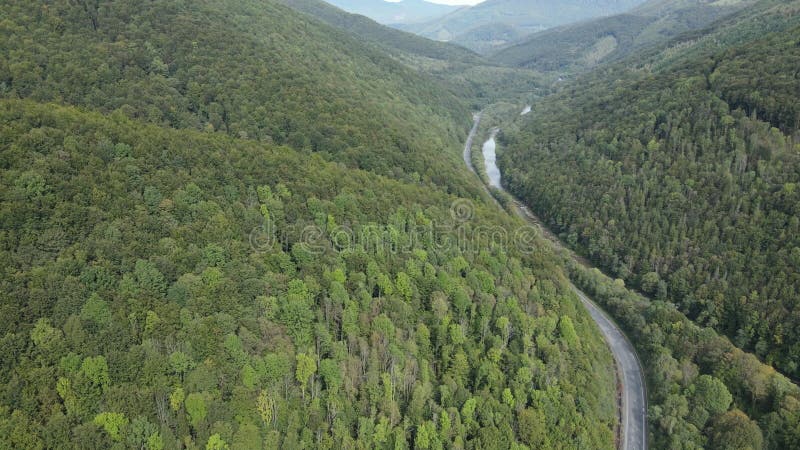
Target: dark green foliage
571	46
761	79
246	68
676	173
672	182
694	376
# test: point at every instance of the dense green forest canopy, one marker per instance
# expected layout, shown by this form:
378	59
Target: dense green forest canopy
473	78
228	224
680	178
702	391
139	310
216	232
250	69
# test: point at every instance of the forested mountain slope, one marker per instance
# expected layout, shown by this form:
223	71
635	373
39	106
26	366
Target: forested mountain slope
457	69
163	286
191	256
391	39
253	69
678	174
492	24
580	46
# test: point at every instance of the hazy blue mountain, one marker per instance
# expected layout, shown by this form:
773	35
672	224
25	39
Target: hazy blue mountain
583	45
390	39
405	11
497	23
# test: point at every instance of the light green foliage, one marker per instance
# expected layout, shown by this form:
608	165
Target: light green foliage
151	321
155	442
567	331
180	362
44	335
30	185
388	386
95	369
176	398
215	442
456	334
444	424
711	394
426	437
96	310
306	367
249	376
468	409
508	397
385	284
65	391
112	423
404	286
196	408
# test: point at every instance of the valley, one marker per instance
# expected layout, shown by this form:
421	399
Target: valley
263	224
631	390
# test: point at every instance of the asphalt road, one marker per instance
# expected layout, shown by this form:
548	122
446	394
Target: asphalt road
633	411
634	397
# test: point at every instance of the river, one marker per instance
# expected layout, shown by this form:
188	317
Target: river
490	161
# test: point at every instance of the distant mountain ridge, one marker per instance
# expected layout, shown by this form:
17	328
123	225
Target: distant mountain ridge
391	39
493	24
586	44
405	11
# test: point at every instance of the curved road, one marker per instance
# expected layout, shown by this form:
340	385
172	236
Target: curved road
633	396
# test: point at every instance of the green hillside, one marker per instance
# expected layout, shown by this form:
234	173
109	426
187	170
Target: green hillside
456	69
228	225
581	46
678	176
247	224
247	68
675	172
164	286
